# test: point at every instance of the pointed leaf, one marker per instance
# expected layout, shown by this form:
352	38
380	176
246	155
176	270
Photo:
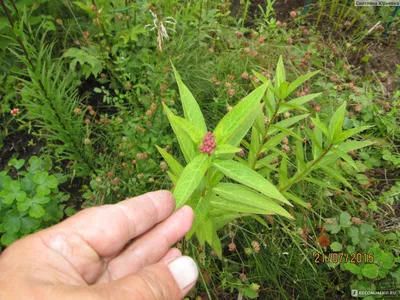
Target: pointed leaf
194	133
299	81
175	166
185	142
201	207
280	73
249	177
190	106
335	174
226	149
236	197
347	158
353	145
321	126
351	132
336	122
190	178
287	122
233	120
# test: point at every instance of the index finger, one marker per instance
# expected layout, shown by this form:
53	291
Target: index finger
107	229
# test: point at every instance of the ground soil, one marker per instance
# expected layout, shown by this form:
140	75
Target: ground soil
282	8
18	143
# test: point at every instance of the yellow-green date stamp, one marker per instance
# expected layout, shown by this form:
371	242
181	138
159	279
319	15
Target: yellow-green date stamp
339	257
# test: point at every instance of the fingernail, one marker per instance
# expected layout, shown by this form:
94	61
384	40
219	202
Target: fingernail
184	270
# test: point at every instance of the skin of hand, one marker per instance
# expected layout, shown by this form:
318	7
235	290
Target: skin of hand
120	251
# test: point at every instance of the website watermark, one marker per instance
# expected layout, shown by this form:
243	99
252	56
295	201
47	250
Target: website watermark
361	293
377	3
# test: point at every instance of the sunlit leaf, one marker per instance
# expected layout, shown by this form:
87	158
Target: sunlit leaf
299	81
233	120
191	108
175	166
250	178
190	178
236	197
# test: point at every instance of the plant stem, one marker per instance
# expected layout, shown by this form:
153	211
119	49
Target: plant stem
299	176
265	135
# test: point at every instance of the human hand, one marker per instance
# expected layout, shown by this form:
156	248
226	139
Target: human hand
87	256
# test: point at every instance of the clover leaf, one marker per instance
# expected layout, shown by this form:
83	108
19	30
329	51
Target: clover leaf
12	191
45	182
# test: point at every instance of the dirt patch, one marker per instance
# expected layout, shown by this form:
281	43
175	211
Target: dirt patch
18	143
383	62
284	7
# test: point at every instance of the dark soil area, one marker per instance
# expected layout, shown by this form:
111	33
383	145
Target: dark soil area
18	143
282	8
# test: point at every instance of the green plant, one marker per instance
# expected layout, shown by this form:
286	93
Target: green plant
211	157
362	252
31	201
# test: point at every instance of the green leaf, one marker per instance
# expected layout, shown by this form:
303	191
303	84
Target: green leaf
334	227
295	199
273	141
240	114
11	192
35	163
190	178
321	126
201	207
191	108
24	205
16	163
206	227
12	223
43	190
353	145
185	142
335	174
40	177
280	76
236	197
29	224
216	244
287	123
195	134
353	232
175	166
347	158
36	211
353	268
370	271
336	122
222	217
351	132
226	149
70	211
7	239
245	125
299	81
250	178
52	182
301	165
266	161
90	64
41	199
345	220
336	247
27	183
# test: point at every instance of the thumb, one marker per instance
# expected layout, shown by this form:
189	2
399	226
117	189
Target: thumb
168	279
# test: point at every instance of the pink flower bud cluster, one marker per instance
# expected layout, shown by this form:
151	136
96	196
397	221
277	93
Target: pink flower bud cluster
208	144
